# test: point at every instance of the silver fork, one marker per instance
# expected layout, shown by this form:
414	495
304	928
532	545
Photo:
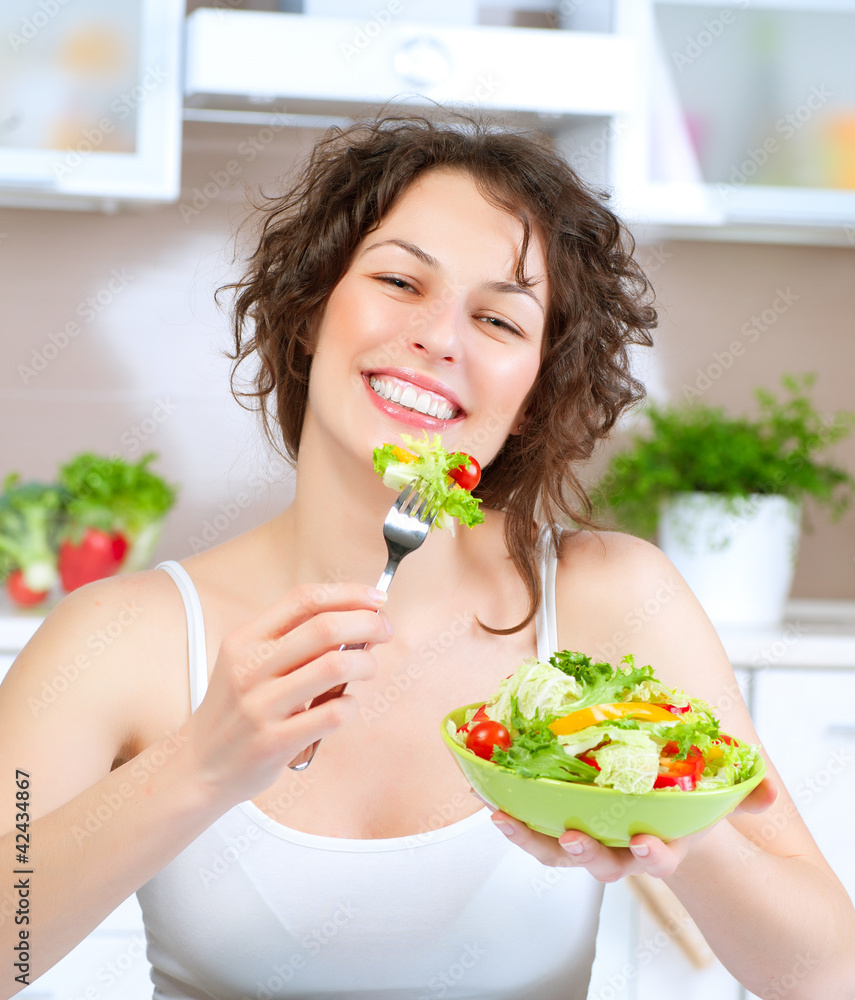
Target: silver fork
406	526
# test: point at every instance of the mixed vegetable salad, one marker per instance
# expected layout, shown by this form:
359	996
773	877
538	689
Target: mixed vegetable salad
617	727
445	479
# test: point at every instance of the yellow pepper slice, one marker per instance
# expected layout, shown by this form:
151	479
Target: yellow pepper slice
584	717
407	457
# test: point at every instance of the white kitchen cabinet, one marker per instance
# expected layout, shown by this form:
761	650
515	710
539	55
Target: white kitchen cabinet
283	69
747	119
90	103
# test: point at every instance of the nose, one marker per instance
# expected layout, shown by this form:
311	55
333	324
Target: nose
437	337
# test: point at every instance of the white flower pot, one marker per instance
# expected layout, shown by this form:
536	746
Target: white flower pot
737	555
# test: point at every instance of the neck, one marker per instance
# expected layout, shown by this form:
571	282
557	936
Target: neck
333	530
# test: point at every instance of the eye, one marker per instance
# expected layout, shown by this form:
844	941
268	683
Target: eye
396	282
501	324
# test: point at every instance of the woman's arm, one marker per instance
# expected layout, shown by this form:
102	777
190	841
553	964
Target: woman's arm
770	906
98	672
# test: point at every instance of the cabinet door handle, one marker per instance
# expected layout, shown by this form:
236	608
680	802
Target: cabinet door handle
840	729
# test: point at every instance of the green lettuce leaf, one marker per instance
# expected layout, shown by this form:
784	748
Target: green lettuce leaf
601	683
429	470
629	762
538	754
111	494
534	690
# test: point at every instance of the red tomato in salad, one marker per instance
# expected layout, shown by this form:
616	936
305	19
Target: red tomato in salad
683	773
467	476
479	716
20	593
485	736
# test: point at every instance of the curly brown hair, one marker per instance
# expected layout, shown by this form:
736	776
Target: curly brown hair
599	300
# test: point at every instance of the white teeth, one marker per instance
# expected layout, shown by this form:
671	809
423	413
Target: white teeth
409	397
422	404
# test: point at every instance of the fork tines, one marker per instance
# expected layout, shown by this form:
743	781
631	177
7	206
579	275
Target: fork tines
414	504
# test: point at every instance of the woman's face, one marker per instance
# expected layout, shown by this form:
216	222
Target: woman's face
428	329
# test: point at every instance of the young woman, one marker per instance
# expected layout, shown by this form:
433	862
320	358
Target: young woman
462	271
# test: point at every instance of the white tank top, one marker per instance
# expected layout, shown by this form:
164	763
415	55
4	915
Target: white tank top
253	910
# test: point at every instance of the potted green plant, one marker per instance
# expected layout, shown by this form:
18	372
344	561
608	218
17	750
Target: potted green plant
725	494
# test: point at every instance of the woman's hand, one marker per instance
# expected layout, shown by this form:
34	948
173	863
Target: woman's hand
645	853
253	720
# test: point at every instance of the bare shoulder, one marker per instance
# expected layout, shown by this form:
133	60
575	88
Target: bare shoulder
621	595
100	675
616	568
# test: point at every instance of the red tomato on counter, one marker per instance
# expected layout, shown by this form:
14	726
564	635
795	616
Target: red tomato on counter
20	593
96	556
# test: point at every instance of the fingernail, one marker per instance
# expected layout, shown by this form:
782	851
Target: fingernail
639	850
504	827
377	596
388	625
573	847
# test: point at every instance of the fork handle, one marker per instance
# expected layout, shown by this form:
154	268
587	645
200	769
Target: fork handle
305	758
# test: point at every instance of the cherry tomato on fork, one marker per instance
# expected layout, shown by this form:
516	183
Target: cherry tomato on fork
468	475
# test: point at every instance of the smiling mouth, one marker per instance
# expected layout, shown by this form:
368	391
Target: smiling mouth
411	397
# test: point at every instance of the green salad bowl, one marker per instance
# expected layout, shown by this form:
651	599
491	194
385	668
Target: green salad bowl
612	817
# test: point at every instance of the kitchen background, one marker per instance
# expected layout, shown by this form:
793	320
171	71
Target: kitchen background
147	372
112	341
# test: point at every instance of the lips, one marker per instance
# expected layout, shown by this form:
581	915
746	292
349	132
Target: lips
417	394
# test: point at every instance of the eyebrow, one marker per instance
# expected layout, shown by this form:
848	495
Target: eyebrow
434	264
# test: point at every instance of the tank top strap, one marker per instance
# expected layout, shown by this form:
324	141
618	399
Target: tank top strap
546	625
197	655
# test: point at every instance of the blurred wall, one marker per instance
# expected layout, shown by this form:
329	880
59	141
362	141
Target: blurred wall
141	366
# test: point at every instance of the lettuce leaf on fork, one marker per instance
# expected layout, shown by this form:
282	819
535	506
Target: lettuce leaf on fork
427	464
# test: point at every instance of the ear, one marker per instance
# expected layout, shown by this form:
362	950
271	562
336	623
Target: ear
519	424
